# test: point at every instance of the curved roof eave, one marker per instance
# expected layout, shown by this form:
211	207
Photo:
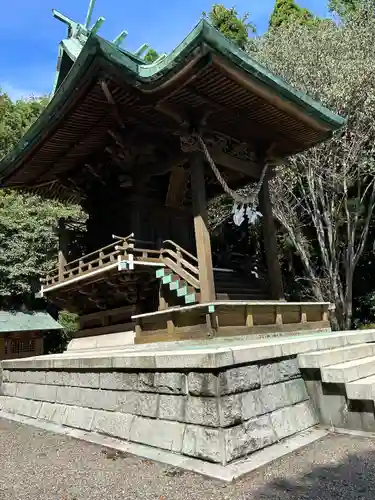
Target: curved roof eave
148	76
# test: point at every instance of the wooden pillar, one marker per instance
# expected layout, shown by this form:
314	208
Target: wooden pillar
202	236
63	248
270	242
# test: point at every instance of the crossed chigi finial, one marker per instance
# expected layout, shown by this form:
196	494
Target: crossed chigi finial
75	29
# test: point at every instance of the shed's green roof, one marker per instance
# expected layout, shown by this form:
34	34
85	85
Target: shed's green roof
204	38
17	321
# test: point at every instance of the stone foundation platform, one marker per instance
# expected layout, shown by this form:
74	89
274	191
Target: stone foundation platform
218	402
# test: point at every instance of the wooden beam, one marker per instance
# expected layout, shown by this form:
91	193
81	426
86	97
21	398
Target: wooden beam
202	235
162	168
178	182
244	167
270	242
130	309
112	102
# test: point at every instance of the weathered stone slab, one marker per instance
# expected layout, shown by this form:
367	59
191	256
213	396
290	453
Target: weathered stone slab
25	391
202	411
89	379
44	392
348	371
127	402
5	375
158	433
78	417
112	423
203	384
285	394
239	407
272	373
240	379
68	395
34	377
9	388
72	379
205	443
58	378
171	383
162	382
52	412
248	437
290	420
3	402
58	415
31	377
27	407
172	407
119	381
47	411
296	391
147	404
90	398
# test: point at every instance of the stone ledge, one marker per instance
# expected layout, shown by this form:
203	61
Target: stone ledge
204	355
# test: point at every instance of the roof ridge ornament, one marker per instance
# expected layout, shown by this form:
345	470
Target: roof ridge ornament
82	31
77	36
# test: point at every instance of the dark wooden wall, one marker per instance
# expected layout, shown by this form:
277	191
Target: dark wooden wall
148	219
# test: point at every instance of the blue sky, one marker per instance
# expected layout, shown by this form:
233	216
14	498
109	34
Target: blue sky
29	35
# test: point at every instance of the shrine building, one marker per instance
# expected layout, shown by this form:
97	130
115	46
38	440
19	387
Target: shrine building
143	147
228	375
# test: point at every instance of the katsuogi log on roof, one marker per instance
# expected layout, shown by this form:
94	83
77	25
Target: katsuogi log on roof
114	111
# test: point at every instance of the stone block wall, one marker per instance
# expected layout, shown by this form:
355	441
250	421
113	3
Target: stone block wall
217	416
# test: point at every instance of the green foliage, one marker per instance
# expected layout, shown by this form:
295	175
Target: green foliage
16	118
57	341
334	64
228	21
69	321
345	8
151	56
28	244
288	12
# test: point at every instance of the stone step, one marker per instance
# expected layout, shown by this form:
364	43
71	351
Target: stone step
361	389
318	359
349	371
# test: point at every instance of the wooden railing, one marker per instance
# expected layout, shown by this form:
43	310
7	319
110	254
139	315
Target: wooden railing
171	254
88	263
181	262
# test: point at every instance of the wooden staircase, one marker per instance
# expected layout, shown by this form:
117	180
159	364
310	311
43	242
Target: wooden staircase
181	276
232	285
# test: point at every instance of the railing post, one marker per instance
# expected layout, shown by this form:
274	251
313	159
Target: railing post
178	257
63	248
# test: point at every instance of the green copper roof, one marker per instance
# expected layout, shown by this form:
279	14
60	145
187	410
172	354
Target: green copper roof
17	321
98	53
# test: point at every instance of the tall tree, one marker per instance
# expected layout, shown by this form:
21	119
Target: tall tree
28	243
231	24
325	197
288	11
345	8
151	56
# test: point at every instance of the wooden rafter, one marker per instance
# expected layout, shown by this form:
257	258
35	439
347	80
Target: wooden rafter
112	102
